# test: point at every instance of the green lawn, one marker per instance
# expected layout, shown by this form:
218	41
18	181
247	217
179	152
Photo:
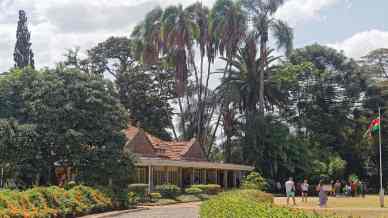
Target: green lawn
367	207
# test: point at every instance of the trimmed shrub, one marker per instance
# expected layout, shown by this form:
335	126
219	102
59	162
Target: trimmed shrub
155	195
210	189
132	199
254	181
247	203
193	190
140	190
168	191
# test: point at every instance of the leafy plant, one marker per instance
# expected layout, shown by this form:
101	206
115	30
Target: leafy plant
247	203
140	190
193	190
168	191
210	189
254	181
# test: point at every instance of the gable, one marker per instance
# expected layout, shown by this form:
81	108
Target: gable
194	152
139	144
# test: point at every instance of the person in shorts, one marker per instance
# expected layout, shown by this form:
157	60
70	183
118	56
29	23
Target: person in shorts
290	190
305	190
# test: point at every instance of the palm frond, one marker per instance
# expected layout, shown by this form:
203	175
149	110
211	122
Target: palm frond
284	35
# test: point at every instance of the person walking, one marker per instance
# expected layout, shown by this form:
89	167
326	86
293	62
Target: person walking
290	190
305	190
322	194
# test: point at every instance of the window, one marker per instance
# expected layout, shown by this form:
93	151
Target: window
142	175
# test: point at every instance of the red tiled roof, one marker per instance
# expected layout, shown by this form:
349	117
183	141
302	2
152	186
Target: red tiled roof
170	149
174	150
131	132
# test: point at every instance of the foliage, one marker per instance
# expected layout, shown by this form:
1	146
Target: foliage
168	191
210	189
193	190
23	55
155	195
77	120
52	201
254	181
140	190
246	203
17	150
353	178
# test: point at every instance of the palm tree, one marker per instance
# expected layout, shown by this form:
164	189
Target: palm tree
228	25
146	36
178	34
244	78
263	21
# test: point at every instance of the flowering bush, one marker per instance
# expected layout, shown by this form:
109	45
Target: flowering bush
43	202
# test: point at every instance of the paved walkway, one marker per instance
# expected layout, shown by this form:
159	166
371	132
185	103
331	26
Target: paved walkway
186	210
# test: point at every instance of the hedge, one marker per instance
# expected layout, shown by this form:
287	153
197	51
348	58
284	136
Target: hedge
247	203
210	189
140	190
193	191
45	202
168	191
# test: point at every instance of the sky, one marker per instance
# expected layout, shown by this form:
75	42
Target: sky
353	26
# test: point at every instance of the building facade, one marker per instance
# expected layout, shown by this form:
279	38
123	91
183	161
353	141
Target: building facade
182	163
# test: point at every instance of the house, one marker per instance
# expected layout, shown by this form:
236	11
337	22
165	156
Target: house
182	163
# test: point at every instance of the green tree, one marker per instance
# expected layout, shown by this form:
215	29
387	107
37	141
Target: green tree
263	21
23	55
376	62
325	101
77	118
17	152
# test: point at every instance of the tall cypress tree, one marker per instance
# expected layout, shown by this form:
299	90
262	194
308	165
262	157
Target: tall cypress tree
23	55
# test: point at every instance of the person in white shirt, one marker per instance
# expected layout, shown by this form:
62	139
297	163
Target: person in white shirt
290	190
305	190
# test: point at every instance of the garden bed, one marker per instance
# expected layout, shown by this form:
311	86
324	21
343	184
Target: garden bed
43	202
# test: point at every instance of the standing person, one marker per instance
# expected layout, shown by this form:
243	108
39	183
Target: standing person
322	194
305	190
279	187
332	192
362	186
290	190
353	187
337	187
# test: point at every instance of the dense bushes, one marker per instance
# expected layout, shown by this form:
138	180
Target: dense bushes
140	190
210	189
193	191
246	203
254	181
168	191
44	202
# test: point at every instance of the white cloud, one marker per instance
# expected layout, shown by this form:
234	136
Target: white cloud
361	43
59	25
297	11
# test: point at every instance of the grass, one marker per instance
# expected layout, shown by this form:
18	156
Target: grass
346	207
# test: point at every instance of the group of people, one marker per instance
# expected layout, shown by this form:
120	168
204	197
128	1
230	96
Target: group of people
352	188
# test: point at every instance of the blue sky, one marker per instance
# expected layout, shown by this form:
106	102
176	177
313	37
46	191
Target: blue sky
342	21
354	26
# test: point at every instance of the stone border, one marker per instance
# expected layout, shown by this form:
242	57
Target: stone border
114	213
